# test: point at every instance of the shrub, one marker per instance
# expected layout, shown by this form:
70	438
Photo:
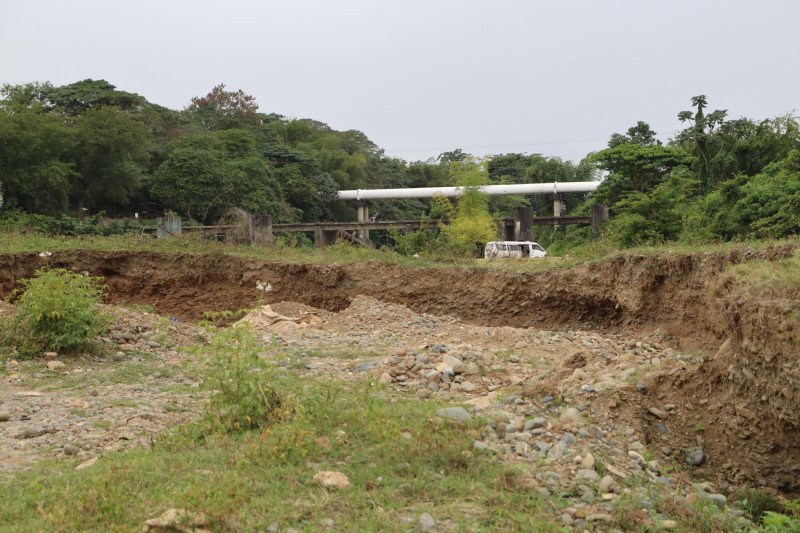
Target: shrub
471	224
15	220
243	398
758	502
56	310
780	523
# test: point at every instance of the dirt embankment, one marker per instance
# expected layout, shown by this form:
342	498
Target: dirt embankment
745	397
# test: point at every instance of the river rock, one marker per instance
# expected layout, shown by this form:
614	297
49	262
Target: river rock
456	414
695	457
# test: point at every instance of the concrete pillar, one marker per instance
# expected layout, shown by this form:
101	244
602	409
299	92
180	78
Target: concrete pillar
507	230
169	226
599	215
261	230
363	216
330	236
558	207
523	224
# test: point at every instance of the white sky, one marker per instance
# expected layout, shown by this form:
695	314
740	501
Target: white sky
420	77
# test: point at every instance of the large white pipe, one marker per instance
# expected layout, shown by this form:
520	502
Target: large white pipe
492	190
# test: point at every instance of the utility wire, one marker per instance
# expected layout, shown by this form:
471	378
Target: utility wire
512	145
476	146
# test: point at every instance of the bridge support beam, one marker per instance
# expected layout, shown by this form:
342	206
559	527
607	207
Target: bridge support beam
258	229
523	224
558	207
599	215
363	216
323	237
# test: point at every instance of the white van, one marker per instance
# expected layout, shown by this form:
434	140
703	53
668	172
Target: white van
517	249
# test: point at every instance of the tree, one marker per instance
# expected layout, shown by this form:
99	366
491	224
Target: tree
24	96
204	175
110	153
655	216
77	98
221	109
641	134
744	146
35	169
636	162
309	196
697	136
766	205
458	155
472	223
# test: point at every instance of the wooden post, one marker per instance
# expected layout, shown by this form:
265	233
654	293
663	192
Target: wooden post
599	214
523	224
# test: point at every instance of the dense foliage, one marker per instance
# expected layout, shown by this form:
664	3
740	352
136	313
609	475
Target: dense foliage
717	180
55	310
88	147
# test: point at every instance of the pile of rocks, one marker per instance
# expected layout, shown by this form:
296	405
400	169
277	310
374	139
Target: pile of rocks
433	370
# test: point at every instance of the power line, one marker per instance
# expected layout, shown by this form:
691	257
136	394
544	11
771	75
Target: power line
513	145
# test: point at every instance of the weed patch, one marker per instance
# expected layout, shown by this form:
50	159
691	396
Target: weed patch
55	310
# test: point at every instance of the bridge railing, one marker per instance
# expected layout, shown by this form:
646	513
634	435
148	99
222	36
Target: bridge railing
260	230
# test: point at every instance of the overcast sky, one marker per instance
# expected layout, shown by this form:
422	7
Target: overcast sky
423	76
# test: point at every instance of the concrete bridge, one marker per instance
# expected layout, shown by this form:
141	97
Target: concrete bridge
259	229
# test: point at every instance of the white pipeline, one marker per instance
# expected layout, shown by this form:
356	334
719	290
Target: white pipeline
492	190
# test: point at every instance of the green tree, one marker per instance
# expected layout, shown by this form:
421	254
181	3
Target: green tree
655	216
204	175
766	205
36	172
635	162
221	109
110	153
698	136
641	134
24	96
472	223
77	98
744	146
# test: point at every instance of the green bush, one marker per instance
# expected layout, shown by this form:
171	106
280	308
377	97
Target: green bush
758	502
780	523
15	220
56	310
243	398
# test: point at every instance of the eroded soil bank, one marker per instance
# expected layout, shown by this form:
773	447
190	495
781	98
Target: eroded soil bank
744	396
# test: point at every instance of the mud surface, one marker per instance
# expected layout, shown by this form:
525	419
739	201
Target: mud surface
741	400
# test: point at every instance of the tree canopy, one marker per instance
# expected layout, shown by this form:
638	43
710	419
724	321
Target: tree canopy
89	146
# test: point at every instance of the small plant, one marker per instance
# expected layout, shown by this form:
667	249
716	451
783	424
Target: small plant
222	318
780	523
243	398
56	310
758	502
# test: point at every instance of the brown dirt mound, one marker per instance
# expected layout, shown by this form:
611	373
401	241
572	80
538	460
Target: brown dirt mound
744	399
